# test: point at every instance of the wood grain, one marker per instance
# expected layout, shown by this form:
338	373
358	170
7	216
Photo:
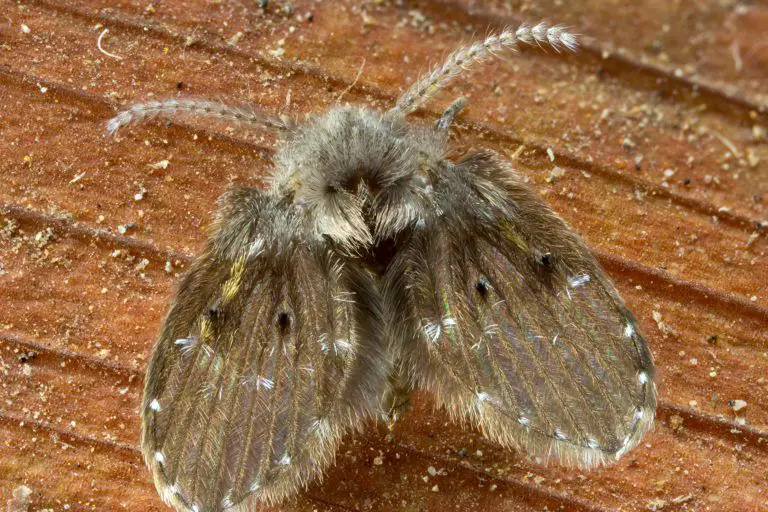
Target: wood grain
659	124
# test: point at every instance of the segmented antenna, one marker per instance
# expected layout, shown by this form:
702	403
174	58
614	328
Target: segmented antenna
142	112
460	60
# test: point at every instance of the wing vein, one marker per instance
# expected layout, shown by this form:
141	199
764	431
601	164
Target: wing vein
541	369
233	396
273	405
250	424
444	294
188	415
299	347
206	439
497	371
545	308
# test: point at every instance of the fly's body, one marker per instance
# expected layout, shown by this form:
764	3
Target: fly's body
371	266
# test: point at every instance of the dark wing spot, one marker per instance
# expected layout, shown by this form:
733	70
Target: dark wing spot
545	260
482	287
214	312
283	321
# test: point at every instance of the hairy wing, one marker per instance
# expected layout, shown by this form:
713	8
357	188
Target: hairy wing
271	350
512	323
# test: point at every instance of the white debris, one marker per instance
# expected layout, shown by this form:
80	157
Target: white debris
737	405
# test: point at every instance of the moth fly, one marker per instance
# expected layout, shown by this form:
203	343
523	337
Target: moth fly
374	265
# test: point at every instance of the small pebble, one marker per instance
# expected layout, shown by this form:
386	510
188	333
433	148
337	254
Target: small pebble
21	499
555	173
162	164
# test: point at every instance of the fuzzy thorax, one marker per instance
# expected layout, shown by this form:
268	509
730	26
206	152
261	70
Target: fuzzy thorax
359	177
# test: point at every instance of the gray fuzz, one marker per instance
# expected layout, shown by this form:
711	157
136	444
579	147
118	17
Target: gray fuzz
359	177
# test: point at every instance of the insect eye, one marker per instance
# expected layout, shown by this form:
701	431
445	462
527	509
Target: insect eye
283	321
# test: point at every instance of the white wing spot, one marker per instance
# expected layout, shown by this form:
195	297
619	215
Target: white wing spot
636	418
322	428
482	396
187	345
285	460
264	382
577	281
254	486
169	491
629	330
226	502
449	322
643	377
195	508
624	447
155	405
559	434
256	248
526	422
433	332
592	443
342	346
160	458
348	297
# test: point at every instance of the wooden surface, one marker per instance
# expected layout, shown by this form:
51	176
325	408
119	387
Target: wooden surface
658	123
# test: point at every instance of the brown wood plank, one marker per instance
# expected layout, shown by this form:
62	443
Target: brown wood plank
677	232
